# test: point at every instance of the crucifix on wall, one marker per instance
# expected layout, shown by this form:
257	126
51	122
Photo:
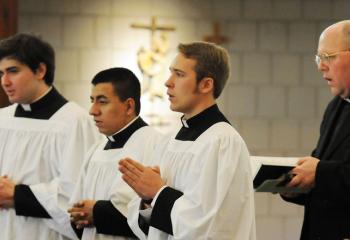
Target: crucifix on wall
216	37
8	27
150	61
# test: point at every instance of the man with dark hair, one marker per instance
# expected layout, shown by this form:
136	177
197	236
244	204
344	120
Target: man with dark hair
43	141
101	196
326	173
203	187
31	51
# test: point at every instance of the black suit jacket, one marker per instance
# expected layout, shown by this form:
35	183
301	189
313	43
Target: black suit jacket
327	206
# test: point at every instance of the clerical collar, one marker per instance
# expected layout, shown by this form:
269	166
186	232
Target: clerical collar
192	128
28	108
111	137
42	108
119	139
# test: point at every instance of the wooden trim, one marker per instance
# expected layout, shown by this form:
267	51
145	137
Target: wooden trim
8	18
8	27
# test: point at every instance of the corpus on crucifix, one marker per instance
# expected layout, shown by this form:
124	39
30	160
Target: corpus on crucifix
150	61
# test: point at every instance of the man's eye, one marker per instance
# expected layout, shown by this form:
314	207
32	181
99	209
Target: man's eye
13	70
179	74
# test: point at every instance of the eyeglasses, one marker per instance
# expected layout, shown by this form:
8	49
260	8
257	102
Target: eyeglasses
327	58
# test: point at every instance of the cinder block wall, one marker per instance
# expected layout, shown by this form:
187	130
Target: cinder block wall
275	96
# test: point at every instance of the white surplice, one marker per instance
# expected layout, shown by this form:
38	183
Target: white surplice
100	179
47	156
215	176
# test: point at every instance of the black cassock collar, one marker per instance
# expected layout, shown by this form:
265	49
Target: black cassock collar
192	128
119	139
44	108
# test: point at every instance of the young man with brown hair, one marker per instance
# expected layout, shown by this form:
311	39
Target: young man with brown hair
201	185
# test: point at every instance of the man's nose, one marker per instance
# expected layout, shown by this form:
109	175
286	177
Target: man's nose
5	80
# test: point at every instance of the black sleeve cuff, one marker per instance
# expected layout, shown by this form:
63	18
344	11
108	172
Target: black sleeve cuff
108	220
26	203
325	171
160	217
143	224
300	199
78	232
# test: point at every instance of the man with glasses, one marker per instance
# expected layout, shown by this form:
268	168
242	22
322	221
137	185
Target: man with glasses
326	173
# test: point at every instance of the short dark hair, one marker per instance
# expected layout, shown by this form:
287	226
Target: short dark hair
125	84
212	61
30	50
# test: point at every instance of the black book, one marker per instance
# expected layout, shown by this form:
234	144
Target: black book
272	174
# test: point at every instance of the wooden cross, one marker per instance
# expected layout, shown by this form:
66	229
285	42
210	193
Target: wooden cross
216	37
153	27
8	27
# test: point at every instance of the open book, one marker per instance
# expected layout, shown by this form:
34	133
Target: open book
272	174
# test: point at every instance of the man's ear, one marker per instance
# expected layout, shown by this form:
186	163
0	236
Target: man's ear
41	71
130	106
206	85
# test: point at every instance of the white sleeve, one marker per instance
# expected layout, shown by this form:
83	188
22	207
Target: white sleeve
133	217
122	193
131	209
54	195
80	186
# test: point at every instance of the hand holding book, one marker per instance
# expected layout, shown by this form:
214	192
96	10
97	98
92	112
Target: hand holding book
274	174
304	173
